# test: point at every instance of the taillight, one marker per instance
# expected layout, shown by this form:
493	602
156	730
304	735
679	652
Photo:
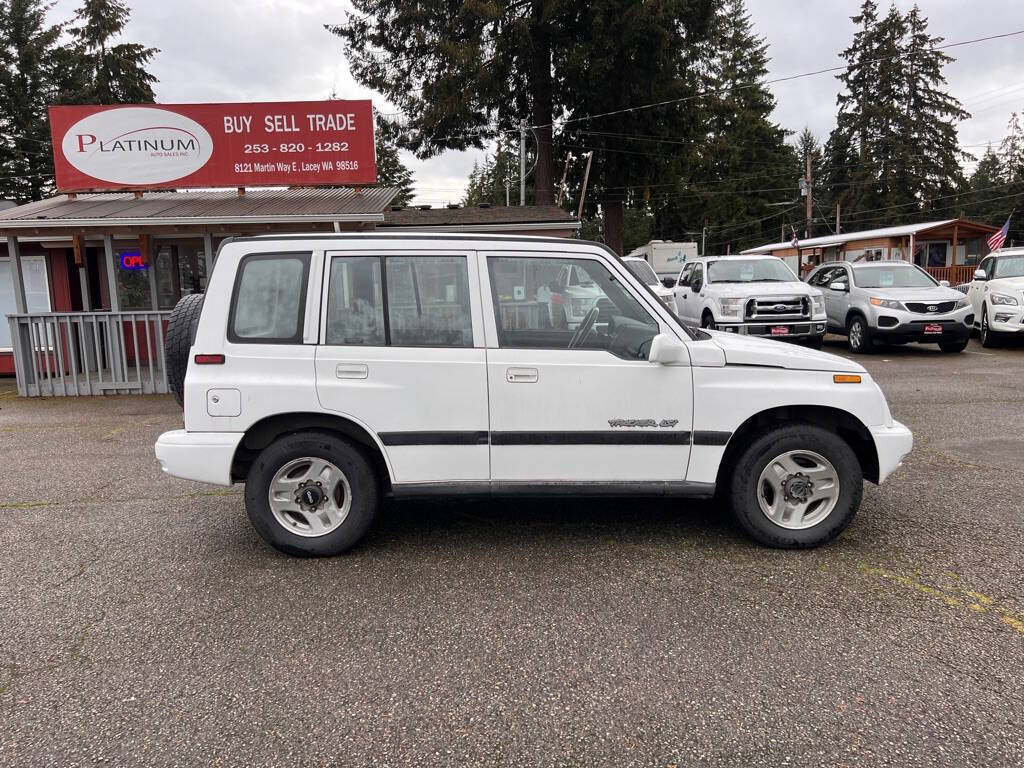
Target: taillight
209	359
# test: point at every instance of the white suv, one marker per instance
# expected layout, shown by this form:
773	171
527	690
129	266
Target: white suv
328	371
750	295
997	296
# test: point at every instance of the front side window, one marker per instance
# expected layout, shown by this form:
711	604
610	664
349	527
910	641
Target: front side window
896	276
771	270
270	299
697	279
535	311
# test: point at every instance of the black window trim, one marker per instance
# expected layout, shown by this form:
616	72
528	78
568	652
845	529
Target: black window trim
385	304
304	258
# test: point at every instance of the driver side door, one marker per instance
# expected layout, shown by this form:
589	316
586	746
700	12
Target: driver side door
571	406
976	289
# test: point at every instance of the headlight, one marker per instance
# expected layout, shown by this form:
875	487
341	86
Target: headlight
1002	298
887	303
817	305
732	307
578	306
961	304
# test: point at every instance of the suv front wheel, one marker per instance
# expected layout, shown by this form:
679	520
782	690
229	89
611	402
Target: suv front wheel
858	334
796	487
311	494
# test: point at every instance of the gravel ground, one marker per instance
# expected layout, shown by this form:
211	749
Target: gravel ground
142	622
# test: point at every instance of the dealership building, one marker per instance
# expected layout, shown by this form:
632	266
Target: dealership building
88	278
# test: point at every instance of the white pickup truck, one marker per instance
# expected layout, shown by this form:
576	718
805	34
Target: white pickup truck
750	295
329	371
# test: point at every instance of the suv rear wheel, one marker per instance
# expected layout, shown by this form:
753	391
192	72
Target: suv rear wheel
311	494
796	487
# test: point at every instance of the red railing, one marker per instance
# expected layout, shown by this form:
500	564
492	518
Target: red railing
960	273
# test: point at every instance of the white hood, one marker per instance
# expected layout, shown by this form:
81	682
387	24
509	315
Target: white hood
749	350
1013	283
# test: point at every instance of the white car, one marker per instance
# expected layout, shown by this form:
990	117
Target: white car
750	295
997	296
329	371
645	273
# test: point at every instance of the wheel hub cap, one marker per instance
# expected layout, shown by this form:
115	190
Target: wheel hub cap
310	496
798	489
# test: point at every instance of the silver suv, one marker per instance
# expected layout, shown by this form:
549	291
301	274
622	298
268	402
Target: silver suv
893	302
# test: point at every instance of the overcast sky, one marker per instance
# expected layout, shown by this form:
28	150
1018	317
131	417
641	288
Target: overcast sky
269	50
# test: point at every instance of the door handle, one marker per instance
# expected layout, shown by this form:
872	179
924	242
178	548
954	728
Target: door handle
521	376
351	371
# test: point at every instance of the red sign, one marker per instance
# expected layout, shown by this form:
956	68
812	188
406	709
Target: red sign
176	146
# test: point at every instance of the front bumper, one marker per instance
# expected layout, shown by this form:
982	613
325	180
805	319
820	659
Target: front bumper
788	329
898	326
1004	318
202	456
892	444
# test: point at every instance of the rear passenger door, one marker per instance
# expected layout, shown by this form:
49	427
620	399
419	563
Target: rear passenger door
570	406
402	353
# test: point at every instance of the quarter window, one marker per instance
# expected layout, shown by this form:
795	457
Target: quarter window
269	301
536	310
422	301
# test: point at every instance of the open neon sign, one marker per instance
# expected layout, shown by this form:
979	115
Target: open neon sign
132	261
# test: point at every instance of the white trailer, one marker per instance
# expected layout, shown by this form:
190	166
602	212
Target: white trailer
665	256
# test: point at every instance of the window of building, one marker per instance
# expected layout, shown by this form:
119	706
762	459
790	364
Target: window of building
132	283
536	310
37	292
270	296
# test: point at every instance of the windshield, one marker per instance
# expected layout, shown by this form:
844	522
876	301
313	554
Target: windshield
750	271
892	276
1010	266
642	270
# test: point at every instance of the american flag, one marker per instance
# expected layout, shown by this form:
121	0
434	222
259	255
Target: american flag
996	241
795	242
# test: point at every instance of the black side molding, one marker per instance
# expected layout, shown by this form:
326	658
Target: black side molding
540	488
711	437
591	438
433	438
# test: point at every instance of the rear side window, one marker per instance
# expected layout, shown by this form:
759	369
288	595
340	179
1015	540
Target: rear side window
402	301
270	298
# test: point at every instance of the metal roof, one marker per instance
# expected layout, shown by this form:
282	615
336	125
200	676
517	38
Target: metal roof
492	217
867	234
270	206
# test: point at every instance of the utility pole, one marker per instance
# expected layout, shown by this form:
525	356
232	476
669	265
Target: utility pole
508	187
810	194
704	239
586	178
837	218
522	162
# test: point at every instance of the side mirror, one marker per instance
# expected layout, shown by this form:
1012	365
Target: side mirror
668	282
668	351
980	274
838	285
944	283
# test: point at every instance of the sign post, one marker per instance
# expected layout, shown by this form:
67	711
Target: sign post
181	146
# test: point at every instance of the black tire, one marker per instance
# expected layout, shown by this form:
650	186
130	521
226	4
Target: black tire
181	334
707	321
986	335
365	493
859	342
954	346
814	342
743	490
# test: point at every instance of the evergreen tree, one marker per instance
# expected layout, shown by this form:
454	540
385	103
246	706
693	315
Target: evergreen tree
28	61
462	72
807	145
932	117
1011	150
105	71
989	173
744	164
487	181
391	171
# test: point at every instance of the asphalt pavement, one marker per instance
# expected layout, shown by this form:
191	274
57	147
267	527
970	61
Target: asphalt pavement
143	622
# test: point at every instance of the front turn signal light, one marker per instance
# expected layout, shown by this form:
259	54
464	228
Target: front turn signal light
846	378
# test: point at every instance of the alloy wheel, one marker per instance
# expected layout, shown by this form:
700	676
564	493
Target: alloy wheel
310	496
798	489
